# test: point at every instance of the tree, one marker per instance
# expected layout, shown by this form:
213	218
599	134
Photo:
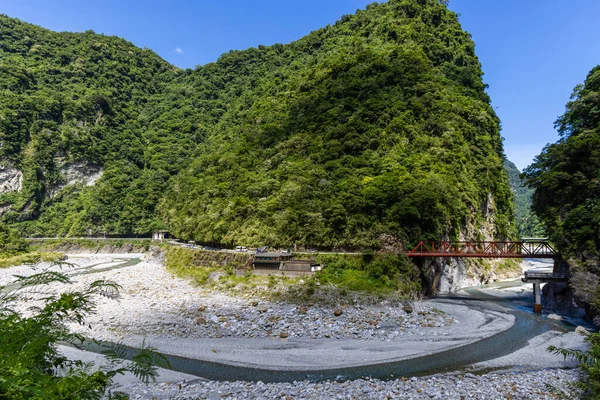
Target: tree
566	179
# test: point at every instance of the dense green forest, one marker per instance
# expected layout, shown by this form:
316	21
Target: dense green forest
376	127
566	179
527	223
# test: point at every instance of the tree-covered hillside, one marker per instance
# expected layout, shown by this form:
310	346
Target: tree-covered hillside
376	127
527	223
379	124
566	175
76	100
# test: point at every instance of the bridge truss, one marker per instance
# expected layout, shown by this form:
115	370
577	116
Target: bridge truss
484	250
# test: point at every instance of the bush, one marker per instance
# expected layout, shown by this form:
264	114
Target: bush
589	362
30	365
10	243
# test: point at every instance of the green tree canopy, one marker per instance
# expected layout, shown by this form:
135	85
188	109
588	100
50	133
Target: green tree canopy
566	175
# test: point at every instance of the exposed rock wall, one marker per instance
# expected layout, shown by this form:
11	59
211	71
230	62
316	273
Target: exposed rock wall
448	275
78	173
572	299
559	298
11	180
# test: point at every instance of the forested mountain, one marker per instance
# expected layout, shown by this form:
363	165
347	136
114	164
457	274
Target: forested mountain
72	104
376	127
527	223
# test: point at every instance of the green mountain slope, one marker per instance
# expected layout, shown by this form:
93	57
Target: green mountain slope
527	223
376	127
75	100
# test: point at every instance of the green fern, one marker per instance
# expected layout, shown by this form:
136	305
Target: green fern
30	365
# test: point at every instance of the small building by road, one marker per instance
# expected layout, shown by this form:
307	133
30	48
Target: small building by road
280	263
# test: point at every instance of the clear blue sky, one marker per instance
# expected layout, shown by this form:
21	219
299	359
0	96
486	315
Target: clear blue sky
533	51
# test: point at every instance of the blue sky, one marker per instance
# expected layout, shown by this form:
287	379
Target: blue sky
533	51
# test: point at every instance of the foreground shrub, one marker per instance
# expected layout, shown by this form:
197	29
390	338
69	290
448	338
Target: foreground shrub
31	366
589	362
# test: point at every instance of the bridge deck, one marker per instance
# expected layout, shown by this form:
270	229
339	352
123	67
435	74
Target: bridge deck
527	249
543	277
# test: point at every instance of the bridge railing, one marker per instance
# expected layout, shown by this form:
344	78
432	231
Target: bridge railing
484	249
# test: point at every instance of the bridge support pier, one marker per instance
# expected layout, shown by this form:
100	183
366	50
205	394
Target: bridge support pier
537	278
537	298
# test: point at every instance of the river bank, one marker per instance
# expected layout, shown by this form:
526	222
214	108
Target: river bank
197	323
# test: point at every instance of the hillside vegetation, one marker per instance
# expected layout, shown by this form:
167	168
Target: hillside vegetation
375	129
527	223
566	175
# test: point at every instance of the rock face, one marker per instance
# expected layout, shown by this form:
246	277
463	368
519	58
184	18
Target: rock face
442	275
78	173
559	297
11	180
448	275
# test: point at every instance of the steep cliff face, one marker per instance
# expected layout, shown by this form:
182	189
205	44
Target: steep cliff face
448	275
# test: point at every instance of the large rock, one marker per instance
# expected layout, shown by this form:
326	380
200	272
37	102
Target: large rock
446	275
558	297
216	275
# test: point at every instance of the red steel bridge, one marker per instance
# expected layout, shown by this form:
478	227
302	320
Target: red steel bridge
523	249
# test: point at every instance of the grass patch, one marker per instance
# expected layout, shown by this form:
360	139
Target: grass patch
343	276
31	258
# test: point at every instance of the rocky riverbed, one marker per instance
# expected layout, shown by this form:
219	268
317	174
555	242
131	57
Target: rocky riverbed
548	384
179	318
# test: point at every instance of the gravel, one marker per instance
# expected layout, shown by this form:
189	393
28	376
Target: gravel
528	385
155	304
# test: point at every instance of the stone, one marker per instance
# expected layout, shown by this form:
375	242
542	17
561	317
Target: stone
337	312
201	321
581	330
216	275
554	316
201	308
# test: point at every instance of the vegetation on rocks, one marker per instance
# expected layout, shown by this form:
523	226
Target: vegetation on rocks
526	222
376	126
368	274
16	251
10	242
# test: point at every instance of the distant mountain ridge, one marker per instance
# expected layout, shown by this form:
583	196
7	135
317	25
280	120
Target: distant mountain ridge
376	127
